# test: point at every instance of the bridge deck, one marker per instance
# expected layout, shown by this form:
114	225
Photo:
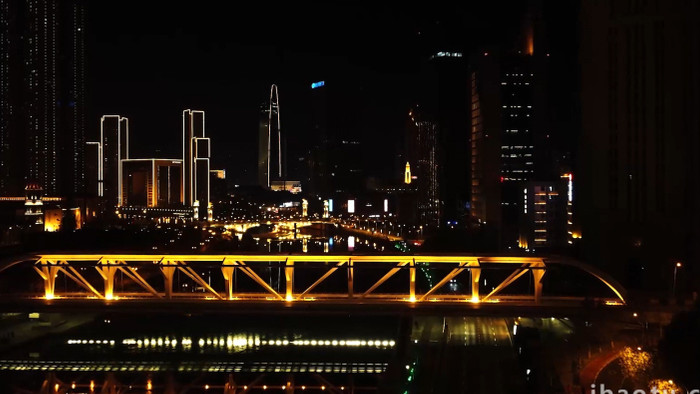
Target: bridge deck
329	279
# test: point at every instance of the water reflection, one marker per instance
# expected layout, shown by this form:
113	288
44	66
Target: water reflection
231	343
332	244
134	350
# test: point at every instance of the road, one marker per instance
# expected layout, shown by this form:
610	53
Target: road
462	330
463	354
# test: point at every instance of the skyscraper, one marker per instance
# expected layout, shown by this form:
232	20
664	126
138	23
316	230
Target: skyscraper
196	151
444	98
509	129
270	146
10	61
42	96
319	167
114	147
640	138
424	154
93	169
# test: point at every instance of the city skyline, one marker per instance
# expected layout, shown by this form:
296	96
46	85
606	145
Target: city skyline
346	135
374	78
511	182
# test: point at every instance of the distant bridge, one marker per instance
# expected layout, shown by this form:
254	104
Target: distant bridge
288	225
304	278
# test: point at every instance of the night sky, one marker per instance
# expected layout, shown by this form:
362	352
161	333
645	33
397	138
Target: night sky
150	60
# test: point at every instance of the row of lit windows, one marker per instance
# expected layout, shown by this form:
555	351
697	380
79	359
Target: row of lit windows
527	163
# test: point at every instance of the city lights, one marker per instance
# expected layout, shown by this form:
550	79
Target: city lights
159	232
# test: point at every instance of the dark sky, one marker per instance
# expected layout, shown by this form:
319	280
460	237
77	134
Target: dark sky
149	60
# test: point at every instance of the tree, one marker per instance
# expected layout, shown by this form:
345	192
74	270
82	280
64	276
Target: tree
636	364
679	348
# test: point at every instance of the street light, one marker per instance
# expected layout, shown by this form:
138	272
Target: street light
675	273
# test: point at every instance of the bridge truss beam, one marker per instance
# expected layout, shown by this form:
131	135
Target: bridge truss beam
146	270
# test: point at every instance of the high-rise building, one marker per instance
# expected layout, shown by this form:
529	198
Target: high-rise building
546	215
42	96
114	147
93	169
151	183
218	185
424	158
444	98
319	142
640	136
270	145
509	130
347	169
10	75
196	152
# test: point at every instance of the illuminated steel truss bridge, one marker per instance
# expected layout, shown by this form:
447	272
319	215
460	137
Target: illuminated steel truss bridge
333	279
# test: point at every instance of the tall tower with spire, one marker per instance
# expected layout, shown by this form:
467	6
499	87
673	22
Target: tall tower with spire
270	141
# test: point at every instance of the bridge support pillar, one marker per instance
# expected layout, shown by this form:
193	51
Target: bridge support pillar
230	386
475	274
110	385
168	268
228	277
227	270
537	275
107	272
289	277
412	279
351	274
48	273
289	388
52	385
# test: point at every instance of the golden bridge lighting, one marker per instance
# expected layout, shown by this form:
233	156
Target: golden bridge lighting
137	267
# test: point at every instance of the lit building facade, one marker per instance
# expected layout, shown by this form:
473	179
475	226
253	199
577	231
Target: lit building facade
113	148
509	132
196	154
546	216
160	186
289	186
423	152
42	96
151	183
270	145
